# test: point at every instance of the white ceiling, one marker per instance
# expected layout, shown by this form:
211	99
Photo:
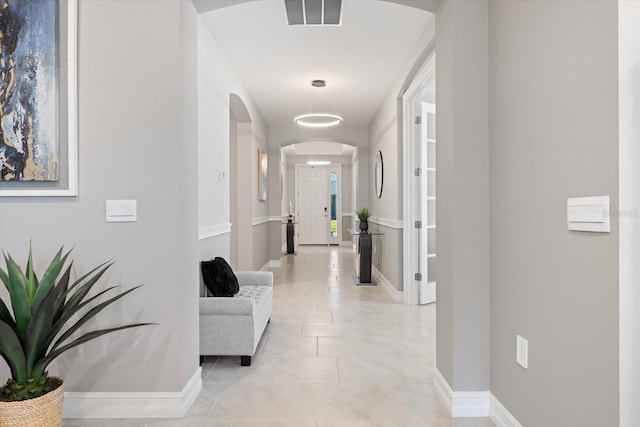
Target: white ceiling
359	60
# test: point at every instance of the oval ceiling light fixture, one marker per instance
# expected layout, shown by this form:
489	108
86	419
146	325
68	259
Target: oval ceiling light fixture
318	120
318	162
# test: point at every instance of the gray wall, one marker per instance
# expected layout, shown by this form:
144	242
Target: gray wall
131	147
219	91
554	132
385	134
462	188
260	247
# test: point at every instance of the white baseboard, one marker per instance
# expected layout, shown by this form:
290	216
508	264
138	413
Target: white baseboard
133	405
396	295
500	416
462	404
274	263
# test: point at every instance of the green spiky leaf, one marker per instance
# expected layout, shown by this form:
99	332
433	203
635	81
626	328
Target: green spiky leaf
5	315
4	277
11	351
48	279
31	277
18	295
38	331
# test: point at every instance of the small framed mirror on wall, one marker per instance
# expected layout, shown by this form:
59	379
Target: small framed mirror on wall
379	174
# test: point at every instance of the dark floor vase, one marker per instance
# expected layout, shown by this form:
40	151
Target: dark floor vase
364	227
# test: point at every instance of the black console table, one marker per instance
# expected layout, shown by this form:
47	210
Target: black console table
363	257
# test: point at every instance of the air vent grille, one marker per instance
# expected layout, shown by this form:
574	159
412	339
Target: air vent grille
314	12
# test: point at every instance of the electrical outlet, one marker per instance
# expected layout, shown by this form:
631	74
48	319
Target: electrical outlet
522	352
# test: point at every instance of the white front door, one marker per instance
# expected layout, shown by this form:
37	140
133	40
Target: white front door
312	204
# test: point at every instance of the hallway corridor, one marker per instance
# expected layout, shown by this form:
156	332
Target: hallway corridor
334	355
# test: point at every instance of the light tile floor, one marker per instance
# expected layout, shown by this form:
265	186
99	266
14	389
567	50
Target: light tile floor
334	355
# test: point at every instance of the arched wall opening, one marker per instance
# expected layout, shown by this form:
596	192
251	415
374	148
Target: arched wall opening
342	155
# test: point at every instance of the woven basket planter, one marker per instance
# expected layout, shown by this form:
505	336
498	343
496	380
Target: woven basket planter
43	411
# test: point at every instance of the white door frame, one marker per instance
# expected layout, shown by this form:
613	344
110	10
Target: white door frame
337	168
411	182
333	167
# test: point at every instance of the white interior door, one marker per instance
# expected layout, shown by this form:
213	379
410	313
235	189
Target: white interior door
312	204
419	238
427	196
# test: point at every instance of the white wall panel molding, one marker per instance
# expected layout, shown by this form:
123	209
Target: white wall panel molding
260	220
265	219
461	404
133	405
396	295
391	223
208	231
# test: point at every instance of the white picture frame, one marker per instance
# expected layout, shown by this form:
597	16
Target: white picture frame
68	183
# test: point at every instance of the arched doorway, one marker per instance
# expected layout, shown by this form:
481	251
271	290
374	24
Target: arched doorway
240	144
333	163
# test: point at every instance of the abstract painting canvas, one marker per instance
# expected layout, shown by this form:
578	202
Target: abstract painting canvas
29	90
263	163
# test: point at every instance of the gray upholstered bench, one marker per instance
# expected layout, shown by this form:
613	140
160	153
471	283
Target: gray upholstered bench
233	326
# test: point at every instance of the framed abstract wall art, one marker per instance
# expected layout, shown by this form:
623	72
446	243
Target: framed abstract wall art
38	98
263	164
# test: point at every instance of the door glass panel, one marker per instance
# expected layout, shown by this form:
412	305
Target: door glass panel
333	190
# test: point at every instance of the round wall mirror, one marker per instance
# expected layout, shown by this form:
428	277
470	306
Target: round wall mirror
379	174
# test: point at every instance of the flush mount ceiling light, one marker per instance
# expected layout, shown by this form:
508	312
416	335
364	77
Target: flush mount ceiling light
318	162
318	120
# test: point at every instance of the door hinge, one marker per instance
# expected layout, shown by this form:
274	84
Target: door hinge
418	224
417	172
418	120
418	277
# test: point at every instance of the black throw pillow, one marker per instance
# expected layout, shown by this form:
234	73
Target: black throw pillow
219	278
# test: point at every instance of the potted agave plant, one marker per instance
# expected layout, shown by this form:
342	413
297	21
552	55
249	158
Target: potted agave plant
363	216
48	312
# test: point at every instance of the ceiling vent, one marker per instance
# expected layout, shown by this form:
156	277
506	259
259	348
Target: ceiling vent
314	12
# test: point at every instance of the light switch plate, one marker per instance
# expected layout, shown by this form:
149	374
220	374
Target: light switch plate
121	211
589	214
522	352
